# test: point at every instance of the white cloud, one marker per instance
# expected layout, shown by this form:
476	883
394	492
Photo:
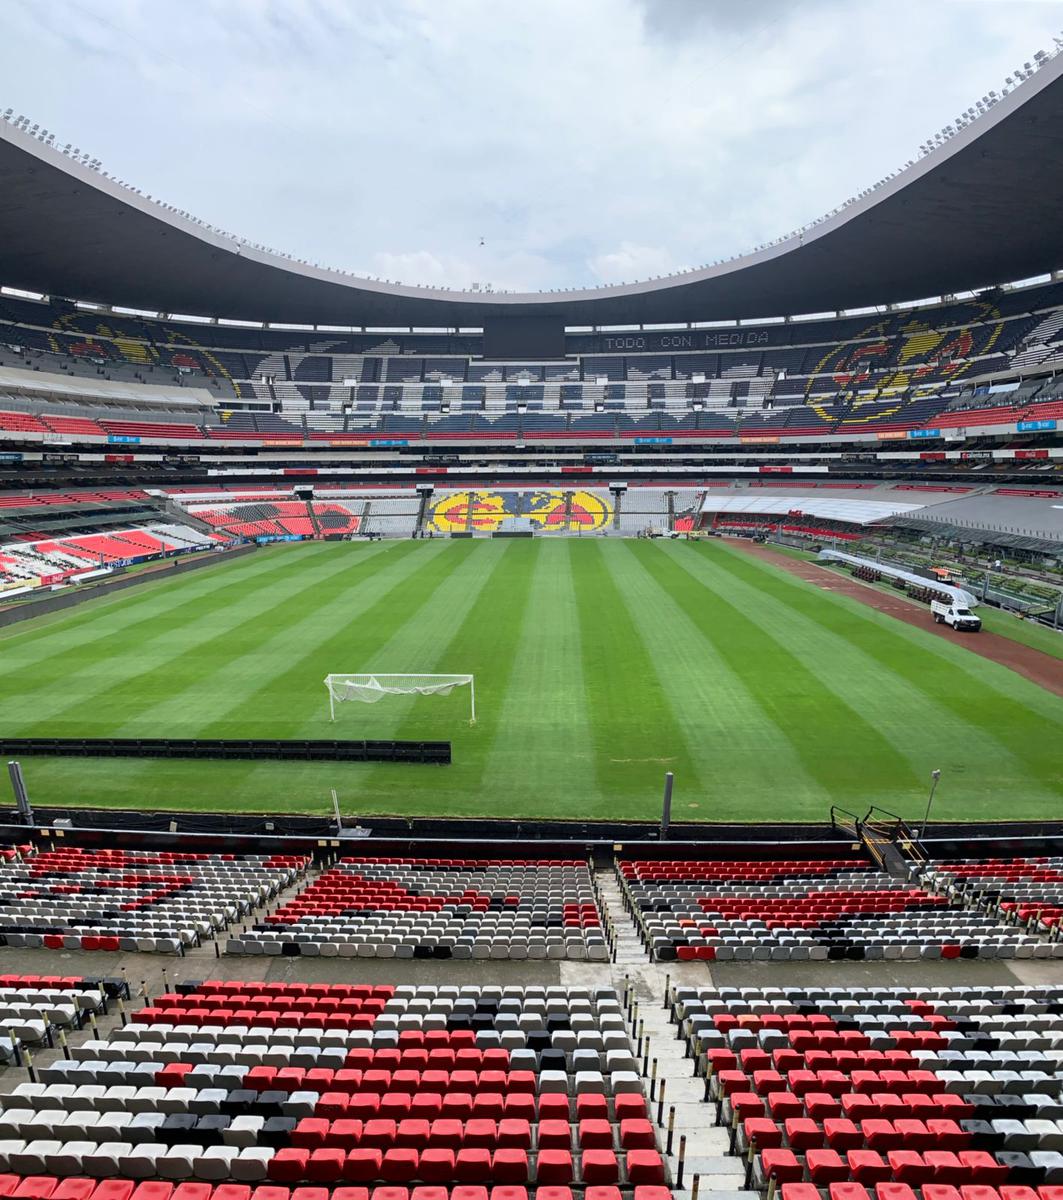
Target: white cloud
585	143
630	262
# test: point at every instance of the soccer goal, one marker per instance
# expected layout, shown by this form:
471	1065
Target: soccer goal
371	688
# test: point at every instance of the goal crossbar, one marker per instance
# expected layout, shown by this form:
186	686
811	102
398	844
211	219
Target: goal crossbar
369	688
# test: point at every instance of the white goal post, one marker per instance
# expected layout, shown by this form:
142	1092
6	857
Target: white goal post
370	688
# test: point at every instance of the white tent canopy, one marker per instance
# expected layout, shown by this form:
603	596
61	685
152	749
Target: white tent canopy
370	688
857	511
959	595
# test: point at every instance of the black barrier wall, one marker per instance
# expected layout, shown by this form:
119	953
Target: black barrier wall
982	841
75	596
327	751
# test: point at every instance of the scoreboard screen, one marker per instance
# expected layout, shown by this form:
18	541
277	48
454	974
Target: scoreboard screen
524	338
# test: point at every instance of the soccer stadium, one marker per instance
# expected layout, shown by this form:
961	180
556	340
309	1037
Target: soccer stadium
472	742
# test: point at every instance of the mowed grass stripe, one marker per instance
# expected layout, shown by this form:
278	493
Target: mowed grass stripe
104	694
483	645
838	746
342	640
137	608
424	647
474	627
743	749
926	733
110	644
237	679
1000	722
402	633
693	627
111	657
545	751
633	723
871	668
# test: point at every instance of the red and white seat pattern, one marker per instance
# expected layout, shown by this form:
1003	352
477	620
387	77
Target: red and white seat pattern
45	1187
278	518
1028	889
439	908
33	1007
54	559
950	1092
809	909
342	1085
73	898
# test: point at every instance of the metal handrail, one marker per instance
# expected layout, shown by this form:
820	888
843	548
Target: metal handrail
850	822
889	827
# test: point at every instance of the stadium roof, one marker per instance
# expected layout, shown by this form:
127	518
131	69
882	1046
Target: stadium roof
984	208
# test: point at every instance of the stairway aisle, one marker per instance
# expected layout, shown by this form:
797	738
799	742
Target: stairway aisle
644	984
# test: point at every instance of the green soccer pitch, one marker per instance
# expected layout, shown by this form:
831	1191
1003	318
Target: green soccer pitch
599	664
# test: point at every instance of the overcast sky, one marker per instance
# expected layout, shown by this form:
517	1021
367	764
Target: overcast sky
585	141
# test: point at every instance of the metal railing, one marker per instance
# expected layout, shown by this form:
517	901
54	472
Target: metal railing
883	828
877	829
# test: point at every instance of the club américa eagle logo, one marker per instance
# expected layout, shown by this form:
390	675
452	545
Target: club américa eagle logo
474	511
892	359
484	511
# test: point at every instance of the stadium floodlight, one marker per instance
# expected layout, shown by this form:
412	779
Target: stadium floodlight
371	688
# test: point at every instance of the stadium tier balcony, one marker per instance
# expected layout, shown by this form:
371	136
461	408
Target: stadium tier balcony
847	1092
954	338
133	900
445	1090
809	910
438	908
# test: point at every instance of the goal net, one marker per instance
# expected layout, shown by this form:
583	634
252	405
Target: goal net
371	688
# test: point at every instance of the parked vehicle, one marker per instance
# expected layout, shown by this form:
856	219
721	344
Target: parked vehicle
958	615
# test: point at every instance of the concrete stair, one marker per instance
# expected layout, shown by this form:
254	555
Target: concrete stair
673	1091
